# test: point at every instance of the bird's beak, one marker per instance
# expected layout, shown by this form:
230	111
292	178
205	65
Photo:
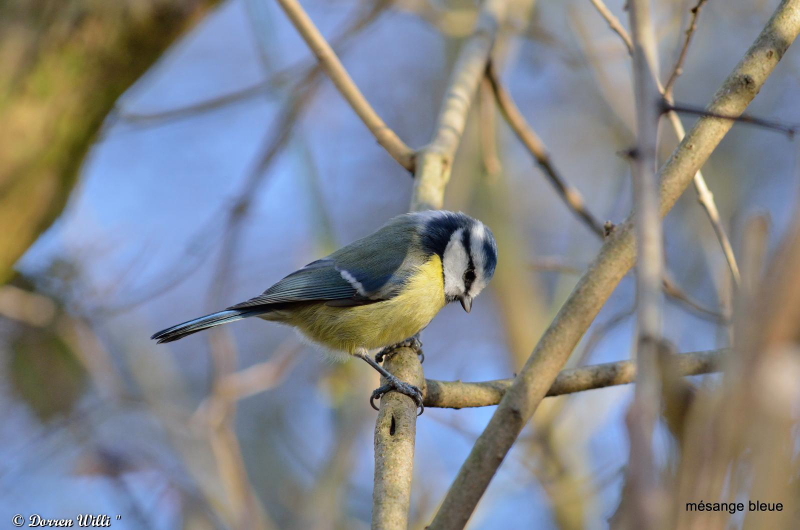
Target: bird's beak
466	302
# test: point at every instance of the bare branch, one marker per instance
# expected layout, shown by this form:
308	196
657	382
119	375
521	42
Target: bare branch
614	23
677	70
435	160
460	395
255	379
616	258
395	436
672	290
570	195
644	498
277	80
706	199
557	264
788	130
192	109
346	86
704	195
28	307
488	131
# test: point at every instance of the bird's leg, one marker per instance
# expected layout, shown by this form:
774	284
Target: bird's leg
392	383
414	343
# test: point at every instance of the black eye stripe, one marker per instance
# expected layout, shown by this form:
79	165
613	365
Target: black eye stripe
469	274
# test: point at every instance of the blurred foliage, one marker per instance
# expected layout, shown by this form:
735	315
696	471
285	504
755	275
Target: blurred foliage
63	64
45	371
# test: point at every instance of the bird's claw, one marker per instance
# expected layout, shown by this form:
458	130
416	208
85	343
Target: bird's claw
398	386
414	343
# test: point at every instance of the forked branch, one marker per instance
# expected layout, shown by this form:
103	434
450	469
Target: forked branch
434	161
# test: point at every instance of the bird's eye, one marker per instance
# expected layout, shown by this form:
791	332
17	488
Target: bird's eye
469	277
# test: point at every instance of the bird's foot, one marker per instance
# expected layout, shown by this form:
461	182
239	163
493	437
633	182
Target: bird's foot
393	383
414	343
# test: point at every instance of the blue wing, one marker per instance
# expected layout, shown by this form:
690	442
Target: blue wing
369	270
323	280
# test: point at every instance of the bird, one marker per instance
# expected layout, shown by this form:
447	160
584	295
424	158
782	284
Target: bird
377	293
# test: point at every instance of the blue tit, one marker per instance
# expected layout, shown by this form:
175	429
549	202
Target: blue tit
375	292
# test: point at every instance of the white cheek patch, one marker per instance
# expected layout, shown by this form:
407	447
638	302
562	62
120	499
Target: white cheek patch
477	239
455	262
352	281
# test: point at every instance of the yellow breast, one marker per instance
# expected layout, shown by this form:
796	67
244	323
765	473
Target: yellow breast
379	324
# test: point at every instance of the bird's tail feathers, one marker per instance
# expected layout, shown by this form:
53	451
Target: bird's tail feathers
209	321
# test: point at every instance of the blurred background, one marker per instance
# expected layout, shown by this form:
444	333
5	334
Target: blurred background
163	159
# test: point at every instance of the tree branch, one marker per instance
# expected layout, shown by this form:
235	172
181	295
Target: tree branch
434	161
642	481
395	435
677	70
45	134
616	258
789	130
344	83
704	195
460	395
569	194
613	23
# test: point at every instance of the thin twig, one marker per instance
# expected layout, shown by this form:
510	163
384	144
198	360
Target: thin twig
192	109
569	194
28	307
488	131
564	266
677	294
704	195
706	199
677	70
254	379
368	14
614	23
616	258
601	331
460	395
557	264
788	130
277	80
386	137
645	499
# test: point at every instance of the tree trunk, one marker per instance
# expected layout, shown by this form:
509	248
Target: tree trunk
63	64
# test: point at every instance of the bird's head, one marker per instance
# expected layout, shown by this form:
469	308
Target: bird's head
468	252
